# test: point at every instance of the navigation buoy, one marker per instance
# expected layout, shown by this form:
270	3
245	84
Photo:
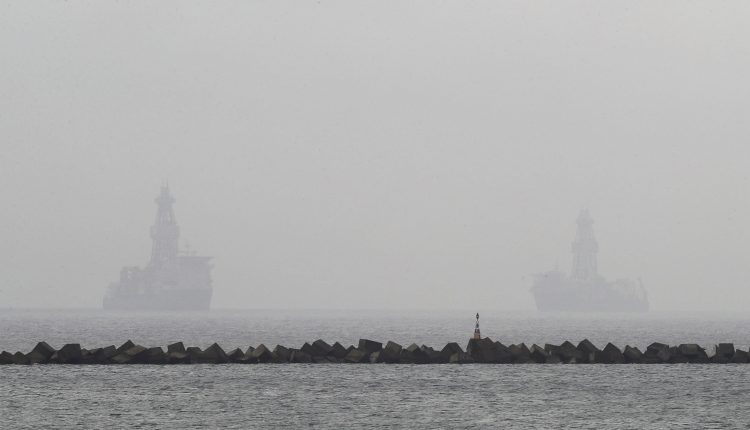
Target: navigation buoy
477	335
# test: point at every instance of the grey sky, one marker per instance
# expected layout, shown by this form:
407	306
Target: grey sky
376	154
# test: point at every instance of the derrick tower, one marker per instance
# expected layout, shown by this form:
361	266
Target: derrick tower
165	233
584	249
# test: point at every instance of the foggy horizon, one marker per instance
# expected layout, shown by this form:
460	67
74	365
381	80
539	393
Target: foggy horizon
334	156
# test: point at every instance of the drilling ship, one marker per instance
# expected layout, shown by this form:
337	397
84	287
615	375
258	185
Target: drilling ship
585	290
170	280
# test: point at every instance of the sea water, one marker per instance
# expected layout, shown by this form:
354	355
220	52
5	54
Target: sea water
384	396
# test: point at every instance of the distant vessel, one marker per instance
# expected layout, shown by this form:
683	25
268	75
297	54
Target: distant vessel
170	281
585	290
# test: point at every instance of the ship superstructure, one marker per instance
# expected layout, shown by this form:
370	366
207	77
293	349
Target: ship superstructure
585	290
170	280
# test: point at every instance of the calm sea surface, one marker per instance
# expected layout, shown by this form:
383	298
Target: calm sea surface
389	396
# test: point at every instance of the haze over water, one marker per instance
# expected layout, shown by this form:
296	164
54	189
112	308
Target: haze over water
419	160
353	155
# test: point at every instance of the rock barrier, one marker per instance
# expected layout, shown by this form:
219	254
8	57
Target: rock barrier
368	351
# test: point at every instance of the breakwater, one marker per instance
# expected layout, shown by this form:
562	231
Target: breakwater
368	351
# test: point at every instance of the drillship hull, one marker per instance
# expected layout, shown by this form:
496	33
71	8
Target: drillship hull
167	300
555	299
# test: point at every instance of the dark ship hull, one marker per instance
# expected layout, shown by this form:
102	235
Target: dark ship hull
168	300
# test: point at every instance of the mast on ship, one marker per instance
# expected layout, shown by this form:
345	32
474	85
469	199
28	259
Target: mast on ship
165	233
584	249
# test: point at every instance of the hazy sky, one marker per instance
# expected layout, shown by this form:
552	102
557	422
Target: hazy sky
418	154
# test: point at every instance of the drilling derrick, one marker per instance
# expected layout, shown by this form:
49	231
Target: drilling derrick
584	249
165	234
